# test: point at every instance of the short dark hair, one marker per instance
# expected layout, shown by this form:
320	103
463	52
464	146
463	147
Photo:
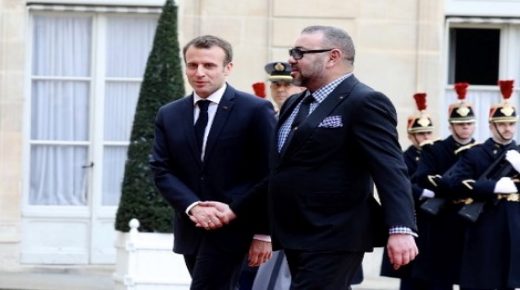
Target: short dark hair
335	37
209	41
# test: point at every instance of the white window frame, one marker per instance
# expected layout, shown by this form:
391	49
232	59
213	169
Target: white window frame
153	3
97	81
508	58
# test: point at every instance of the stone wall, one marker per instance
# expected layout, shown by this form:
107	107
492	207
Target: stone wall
398	42
398	52
12	84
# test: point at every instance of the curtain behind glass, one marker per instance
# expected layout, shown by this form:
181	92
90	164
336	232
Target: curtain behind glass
129	40
60	110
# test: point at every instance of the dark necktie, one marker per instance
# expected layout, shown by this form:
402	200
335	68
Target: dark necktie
202	122
303	112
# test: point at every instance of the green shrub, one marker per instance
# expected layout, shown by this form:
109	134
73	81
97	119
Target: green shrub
162	83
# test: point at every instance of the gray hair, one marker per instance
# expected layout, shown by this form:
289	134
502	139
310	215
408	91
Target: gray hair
335	38
209	41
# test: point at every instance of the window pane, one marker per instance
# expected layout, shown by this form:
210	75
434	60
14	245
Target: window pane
120	104
59	110
114	158
61	46
58	176
129	40
474	55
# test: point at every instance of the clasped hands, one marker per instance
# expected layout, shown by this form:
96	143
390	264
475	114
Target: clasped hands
211	215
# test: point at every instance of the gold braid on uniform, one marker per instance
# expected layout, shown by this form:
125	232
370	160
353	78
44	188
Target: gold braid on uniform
465	147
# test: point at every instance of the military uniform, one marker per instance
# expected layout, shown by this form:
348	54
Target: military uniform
439	259
419	122
491	252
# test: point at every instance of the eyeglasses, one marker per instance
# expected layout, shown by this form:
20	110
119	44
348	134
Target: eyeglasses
297	53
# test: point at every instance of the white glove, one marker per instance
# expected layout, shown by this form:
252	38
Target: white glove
505	185
513	157
426	193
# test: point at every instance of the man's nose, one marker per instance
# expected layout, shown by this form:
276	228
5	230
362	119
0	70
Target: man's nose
200	71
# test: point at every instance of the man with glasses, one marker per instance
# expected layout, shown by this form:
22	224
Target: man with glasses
333	140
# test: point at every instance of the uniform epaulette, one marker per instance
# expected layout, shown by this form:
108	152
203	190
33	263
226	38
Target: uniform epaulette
465	147
429	142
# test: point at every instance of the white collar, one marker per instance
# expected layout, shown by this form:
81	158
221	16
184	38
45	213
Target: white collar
215	97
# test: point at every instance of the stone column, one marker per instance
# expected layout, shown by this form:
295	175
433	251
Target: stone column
12	95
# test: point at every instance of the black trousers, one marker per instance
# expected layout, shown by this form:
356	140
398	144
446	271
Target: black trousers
211	268
322	270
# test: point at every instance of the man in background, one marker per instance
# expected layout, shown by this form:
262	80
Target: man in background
420	130
281	85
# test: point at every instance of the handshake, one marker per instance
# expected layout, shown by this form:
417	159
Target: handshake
211	215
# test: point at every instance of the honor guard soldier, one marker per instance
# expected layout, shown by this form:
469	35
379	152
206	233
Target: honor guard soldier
439	261
488	173
420	130
281	82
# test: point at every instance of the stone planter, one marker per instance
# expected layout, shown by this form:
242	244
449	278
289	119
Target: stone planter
145	261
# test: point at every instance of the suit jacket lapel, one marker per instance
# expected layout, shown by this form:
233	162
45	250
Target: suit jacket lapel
221	116
324	109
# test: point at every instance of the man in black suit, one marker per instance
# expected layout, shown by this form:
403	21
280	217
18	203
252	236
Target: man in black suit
333	142
212	146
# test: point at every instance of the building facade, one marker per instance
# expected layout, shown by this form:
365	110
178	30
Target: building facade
70	72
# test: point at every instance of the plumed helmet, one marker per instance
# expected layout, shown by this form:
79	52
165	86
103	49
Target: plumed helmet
504	111
420	121
259	89
461	111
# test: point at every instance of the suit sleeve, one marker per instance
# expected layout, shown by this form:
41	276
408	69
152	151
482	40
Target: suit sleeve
176	193
375	129
253	204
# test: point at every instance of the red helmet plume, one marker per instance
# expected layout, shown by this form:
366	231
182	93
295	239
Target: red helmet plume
506	88
259	89
420	100
461	89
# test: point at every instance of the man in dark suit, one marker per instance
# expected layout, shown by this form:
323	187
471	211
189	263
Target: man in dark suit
212	146
333	142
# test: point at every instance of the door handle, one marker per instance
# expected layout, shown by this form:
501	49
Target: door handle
90	165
